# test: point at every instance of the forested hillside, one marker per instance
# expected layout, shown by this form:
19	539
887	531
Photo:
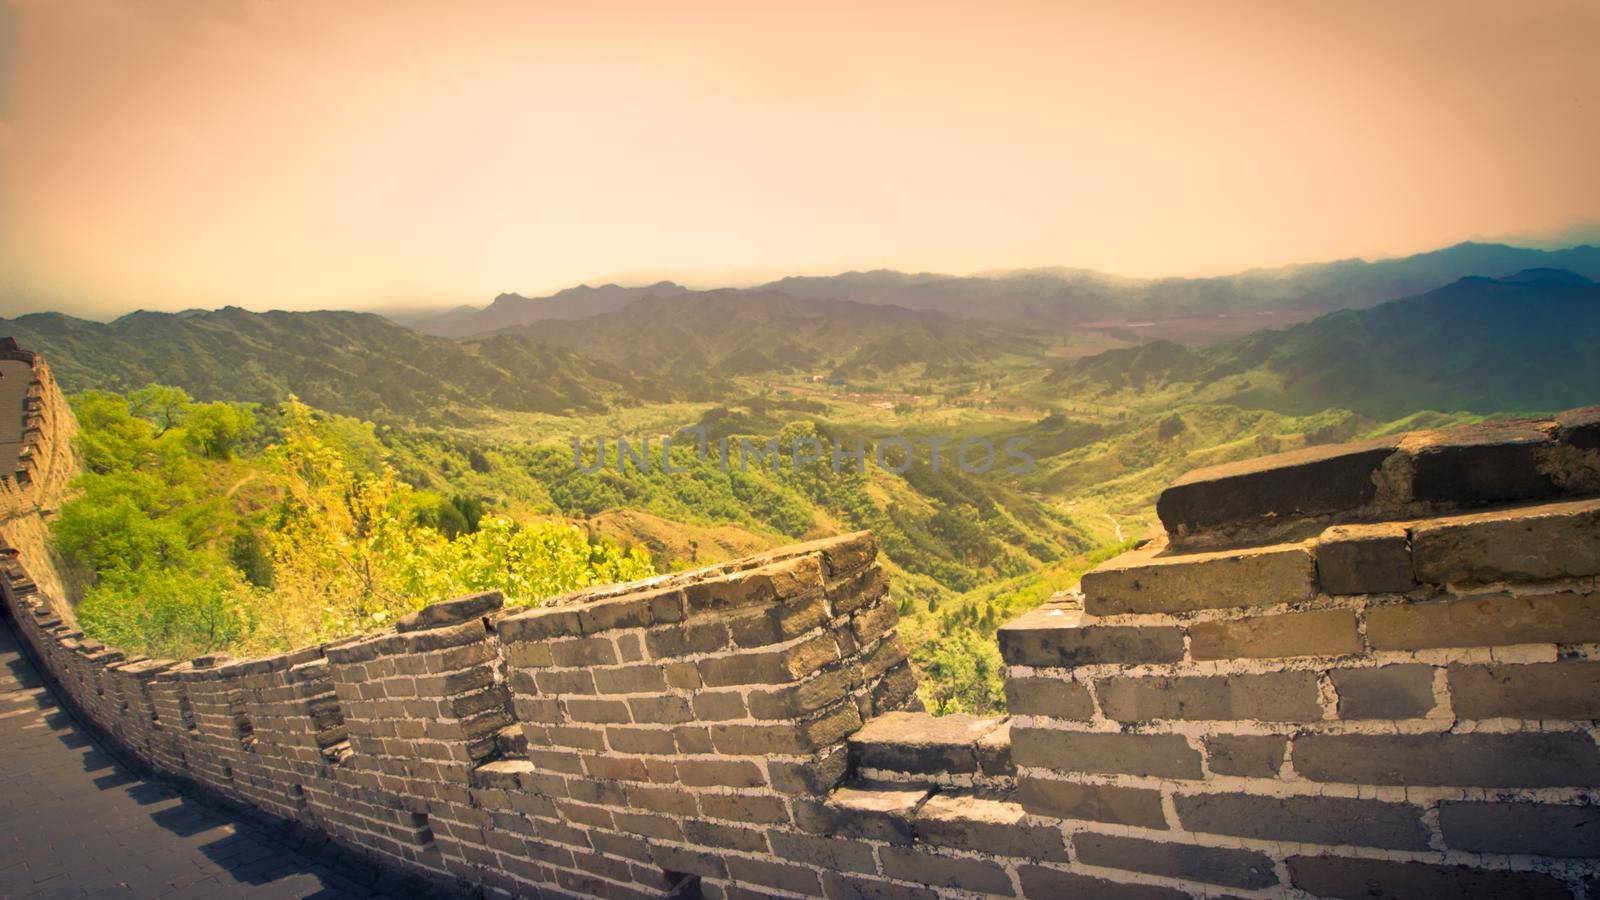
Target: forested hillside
1526	343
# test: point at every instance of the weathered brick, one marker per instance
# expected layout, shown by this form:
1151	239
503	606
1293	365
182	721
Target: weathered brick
1311	820
1560	540
963	873
765	584
1338	876
1056	698
1536	829
1057	636
1565	617
1330	632
775	875
1568	689
967	821
1386	692
1160	755
592	651
1212	865
641	740
823	852
1521	759
630	680
772	667
1246	755
1272	697
1154	580
719	772
796	700
1038	881
850	887
686	640
757	809
1365	559
1091	802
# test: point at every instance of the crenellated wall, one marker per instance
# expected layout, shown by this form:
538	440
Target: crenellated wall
1363	671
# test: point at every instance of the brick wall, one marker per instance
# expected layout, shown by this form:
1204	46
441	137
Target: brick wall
1301	698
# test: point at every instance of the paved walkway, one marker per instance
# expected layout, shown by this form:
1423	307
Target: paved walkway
75	823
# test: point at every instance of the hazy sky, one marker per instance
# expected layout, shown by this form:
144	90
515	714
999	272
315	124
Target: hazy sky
339	153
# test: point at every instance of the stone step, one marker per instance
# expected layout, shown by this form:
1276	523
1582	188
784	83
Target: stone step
916	746
1523	543
1421	473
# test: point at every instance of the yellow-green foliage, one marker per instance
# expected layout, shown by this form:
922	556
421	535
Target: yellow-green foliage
202	539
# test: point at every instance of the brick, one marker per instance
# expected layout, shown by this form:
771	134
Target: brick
772	667
1385	692
796	700
719	773
1246	755
1038	881
1092	802
451	612
686	640
1147	581
642	740
1564	617
630	680
1329	632
599	711
920	743
1522	759
752	808
664	710
1271	697
823	852
994	752
576	652
1568	689
847	887
1056	698
1337	876
1056	636
1212	865
732	837
765	584
967	821
1535	829
1159	755
1311	820
718	706
1365	559
962	873
1560	540
775	875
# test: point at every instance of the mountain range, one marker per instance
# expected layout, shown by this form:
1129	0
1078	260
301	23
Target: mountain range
1060	297
1522	342
1529	342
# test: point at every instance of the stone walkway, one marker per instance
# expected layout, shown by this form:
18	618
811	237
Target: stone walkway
75	823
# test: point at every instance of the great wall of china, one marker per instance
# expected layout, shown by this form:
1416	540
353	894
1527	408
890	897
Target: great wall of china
1352	671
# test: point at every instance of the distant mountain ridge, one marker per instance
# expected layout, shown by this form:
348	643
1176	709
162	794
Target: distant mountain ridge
1528	342
515	310
1061	297
355	363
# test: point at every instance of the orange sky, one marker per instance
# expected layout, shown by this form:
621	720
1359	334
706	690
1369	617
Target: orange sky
303	154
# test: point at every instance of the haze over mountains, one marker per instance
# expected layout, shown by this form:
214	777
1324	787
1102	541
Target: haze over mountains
1522	341
1059	297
